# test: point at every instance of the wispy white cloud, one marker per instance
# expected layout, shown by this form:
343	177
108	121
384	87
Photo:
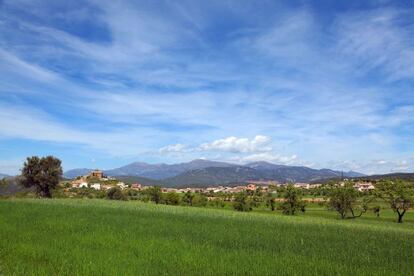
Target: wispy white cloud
235	144
378	39
177	148
178	77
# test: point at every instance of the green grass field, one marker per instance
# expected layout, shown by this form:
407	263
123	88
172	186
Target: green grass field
102	237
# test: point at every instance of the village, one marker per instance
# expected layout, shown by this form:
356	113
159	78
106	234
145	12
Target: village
98	181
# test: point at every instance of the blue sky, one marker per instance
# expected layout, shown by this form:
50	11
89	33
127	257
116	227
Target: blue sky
100	84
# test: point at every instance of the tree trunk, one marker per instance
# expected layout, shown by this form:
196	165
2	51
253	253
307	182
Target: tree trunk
46	193
400	216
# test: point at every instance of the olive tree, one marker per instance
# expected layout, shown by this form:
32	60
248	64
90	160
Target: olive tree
398	194
155	194
242	202
344	199
292	200
41	173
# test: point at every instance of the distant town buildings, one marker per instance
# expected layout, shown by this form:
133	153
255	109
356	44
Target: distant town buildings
102	182
96	174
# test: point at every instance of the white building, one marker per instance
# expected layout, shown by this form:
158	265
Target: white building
96	186
122	185
83	185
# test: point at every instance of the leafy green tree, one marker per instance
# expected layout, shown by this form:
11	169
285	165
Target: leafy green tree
188	198
344	200
242	203
398	194
155	194
115	193
292	201
199	200
270	201
172	198
218	202
41	173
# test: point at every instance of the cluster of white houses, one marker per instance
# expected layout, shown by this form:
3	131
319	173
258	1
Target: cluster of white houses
82	182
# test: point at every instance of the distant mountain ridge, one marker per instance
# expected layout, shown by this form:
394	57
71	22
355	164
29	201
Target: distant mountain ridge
202	172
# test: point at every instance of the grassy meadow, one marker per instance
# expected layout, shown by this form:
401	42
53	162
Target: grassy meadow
102	237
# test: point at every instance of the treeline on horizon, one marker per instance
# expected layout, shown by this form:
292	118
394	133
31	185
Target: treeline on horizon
42	177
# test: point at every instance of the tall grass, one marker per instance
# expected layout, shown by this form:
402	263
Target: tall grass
73	237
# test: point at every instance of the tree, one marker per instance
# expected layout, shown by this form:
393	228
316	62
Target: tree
172	198
377	210
270	201
188	198
115	193
199	200
398	194
292	201
41	173
344	200
241	202
155	194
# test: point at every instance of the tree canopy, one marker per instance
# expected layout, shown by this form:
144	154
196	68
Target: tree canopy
398	194
42	173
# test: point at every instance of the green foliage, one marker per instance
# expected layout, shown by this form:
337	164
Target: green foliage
42	173
188	198
292	201
199	200
218	202
242	202
115	193
344	200
398	194
155	194
270	201
172	198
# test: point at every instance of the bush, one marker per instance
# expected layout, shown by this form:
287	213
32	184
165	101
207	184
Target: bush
199	200
218	202
172	198
241	202
188	198
115	193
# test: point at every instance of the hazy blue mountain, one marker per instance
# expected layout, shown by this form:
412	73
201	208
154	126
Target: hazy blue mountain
213	175
161	171
205	172
353	174
154	171
76	172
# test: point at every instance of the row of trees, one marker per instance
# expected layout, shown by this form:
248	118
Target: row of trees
291	204
45	173
349	203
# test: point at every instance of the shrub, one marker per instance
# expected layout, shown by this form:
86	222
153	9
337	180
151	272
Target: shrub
188	198
172	198
199	200
155	194
241	202
115	193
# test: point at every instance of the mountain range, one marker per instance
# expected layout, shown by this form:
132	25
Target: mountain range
202	172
